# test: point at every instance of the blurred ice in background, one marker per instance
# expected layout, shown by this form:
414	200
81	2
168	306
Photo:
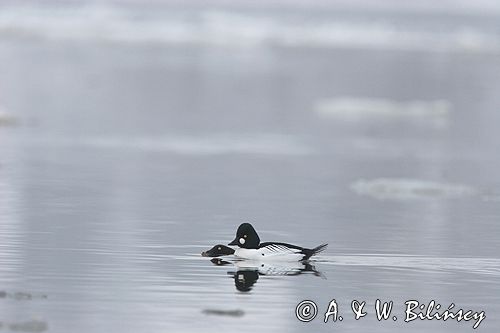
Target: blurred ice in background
135	134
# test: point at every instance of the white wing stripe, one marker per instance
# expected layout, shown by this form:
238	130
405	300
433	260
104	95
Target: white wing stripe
280	248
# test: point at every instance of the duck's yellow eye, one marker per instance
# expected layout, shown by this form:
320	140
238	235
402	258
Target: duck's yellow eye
245	236
218	248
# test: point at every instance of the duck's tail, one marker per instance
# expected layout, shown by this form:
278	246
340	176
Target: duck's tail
319	249
312	252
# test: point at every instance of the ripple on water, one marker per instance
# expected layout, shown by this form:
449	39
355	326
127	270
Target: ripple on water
227	313
21	295
484	266
29	326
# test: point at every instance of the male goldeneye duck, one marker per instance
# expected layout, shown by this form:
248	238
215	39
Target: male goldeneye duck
218	250
250	247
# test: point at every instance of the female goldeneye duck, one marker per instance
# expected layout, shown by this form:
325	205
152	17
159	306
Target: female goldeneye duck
218	250
250	247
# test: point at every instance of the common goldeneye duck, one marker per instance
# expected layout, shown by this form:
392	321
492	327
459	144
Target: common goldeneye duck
218	250
250	247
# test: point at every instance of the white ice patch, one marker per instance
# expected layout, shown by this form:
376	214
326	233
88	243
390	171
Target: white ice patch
108	23
359	109
408	189
204	145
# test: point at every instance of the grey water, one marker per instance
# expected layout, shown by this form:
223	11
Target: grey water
133	137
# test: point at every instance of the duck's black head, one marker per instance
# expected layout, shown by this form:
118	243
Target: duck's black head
246	237
218	250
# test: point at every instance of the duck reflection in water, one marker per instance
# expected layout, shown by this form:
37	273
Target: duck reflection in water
244	279
248	271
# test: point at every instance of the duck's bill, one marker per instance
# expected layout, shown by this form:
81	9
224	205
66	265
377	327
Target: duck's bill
234	242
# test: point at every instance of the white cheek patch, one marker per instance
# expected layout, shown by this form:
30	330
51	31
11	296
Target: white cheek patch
242	240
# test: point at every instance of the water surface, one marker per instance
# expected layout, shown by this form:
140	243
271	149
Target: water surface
130	154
